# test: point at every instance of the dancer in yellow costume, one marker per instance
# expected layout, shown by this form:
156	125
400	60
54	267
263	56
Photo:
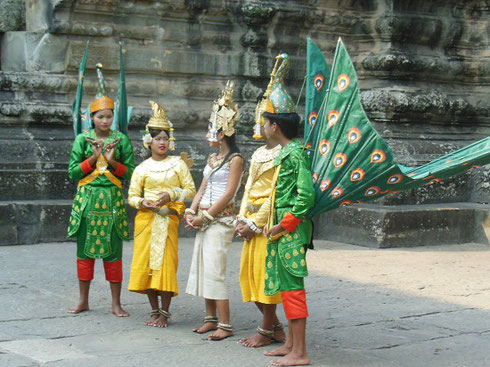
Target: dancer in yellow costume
158	189
254	212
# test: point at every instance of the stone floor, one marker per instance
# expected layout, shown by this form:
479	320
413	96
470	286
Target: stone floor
425	306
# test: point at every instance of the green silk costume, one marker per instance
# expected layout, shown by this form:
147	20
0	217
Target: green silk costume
286	257
99	218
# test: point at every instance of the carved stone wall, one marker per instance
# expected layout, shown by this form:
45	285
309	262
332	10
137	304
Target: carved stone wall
423	68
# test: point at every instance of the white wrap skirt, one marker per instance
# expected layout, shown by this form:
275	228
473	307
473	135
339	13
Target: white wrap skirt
208	268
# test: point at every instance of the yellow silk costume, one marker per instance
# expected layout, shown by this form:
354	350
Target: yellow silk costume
255	206
155	253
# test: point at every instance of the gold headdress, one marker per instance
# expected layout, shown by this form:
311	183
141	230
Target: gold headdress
159	121
276	99
224	113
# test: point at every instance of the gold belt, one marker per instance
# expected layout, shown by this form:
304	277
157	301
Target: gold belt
228	210
253	208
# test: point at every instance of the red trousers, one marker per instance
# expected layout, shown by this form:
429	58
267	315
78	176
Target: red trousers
113	270
294	304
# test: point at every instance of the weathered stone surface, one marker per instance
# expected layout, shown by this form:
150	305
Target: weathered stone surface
8	226
368	307
28	51
12	15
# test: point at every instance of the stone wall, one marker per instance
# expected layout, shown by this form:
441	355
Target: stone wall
423	68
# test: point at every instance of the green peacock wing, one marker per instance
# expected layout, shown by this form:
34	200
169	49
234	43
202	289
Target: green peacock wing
351	163
77	115
317	76
122	112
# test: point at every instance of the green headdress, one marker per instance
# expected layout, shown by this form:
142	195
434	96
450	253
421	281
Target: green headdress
102	101
276	99
122	112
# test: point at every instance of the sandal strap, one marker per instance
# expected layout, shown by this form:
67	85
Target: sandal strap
267	333
226	327
278	327
154	312
213	319
164	313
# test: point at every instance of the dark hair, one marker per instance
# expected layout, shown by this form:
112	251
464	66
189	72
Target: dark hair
231	141
155	132
287	122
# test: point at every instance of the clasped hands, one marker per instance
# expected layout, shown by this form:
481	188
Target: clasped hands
164	198
97	146
192	221
243	230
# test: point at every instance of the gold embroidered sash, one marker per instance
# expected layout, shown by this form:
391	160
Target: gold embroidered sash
159	234
101	169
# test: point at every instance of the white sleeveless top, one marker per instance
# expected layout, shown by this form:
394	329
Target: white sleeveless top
216	182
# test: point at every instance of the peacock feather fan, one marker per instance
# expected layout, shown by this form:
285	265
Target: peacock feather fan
351	163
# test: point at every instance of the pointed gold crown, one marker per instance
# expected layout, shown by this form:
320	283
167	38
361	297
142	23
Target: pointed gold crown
159	121
225	112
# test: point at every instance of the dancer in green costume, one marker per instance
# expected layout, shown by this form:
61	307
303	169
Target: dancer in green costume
100	159
289	231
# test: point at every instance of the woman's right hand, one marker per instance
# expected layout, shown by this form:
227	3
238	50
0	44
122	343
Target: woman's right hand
96	150
245	231
147	204
188	221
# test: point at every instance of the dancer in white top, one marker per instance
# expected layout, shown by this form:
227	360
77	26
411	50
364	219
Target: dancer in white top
212	214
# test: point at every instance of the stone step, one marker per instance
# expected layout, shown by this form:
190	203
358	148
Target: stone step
381	226
370	225
28	222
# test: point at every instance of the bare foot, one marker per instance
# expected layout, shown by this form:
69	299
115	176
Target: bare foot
161	321
119	311
151	320
291	359
220	334
79	308
279	335
256	341
207	327
281	351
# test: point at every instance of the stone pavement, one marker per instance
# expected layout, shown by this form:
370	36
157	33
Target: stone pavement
426	306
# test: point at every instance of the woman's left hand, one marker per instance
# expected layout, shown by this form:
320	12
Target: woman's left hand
109	151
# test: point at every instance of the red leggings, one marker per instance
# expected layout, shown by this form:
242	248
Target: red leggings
113	270
294	304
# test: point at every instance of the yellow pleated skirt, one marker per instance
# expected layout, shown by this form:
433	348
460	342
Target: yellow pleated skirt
252	271
142	277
